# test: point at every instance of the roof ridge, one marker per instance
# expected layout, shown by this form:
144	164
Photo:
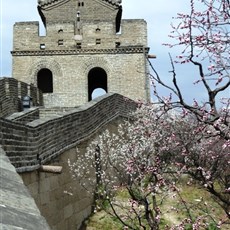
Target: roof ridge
49	2
113	2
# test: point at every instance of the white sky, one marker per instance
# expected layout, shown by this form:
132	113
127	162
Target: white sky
158	15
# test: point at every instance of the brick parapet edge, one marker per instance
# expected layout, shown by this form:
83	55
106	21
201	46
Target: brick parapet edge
40	141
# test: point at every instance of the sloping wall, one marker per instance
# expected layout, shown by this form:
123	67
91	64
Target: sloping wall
60	198
44	139
53	140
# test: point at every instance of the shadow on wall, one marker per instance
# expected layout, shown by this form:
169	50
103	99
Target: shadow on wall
18	209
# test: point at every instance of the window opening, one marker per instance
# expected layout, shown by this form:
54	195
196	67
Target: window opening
118	44
60	42
79	45
98	41
45	80
97	79
42	46
78	16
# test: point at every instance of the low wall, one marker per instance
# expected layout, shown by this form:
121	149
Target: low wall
25	116
11	93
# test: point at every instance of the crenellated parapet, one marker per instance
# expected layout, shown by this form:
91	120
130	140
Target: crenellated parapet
87	47
40	141
61	36
11	93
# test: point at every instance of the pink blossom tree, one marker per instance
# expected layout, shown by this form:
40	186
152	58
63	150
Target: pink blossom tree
146	158
204	38
150	152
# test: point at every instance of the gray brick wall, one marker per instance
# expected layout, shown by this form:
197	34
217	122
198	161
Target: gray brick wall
48	137
71	48
11	93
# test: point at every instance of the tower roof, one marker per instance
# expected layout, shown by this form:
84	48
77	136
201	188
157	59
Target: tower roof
50	2
44	3
113	2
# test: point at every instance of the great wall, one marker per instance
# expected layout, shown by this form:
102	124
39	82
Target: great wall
39	136
87	46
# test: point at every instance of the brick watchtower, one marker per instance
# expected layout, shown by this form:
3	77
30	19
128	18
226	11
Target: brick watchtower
87	46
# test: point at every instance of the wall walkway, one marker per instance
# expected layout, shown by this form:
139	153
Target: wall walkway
18	209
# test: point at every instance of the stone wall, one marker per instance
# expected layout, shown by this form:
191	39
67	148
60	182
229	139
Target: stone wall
25	116
60	198
133	33
125	74
52	139
11	93
40	141
99	10
80	38
18	209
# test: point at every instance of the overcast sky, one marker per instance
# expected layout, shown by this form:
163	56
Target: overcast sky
158	15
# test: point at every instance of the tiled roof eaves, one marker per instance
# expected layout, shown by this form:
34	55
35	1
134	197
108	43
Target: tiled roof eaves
44	3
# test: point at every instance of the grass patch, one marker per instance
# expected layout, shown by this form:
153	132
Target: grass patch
103	221
173	210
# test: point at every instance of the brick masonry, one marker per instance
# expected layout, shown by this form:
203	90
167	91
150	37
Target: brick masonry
18	209
11	93
61	200
81	36
52	139
48	137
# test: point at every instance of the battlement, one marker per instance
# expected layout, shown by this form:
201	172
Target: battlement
62	35
11	93
39	141
87	47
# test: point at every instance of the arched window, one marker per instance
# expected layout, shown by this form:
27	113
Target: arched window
97	80
45	80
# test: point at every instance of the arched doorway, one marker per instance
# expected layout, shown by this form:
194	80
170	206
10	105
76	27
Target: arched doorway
97	79
45	80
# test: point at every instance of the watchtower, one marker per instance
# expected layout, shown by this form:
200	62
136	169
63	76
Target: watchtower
87	46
